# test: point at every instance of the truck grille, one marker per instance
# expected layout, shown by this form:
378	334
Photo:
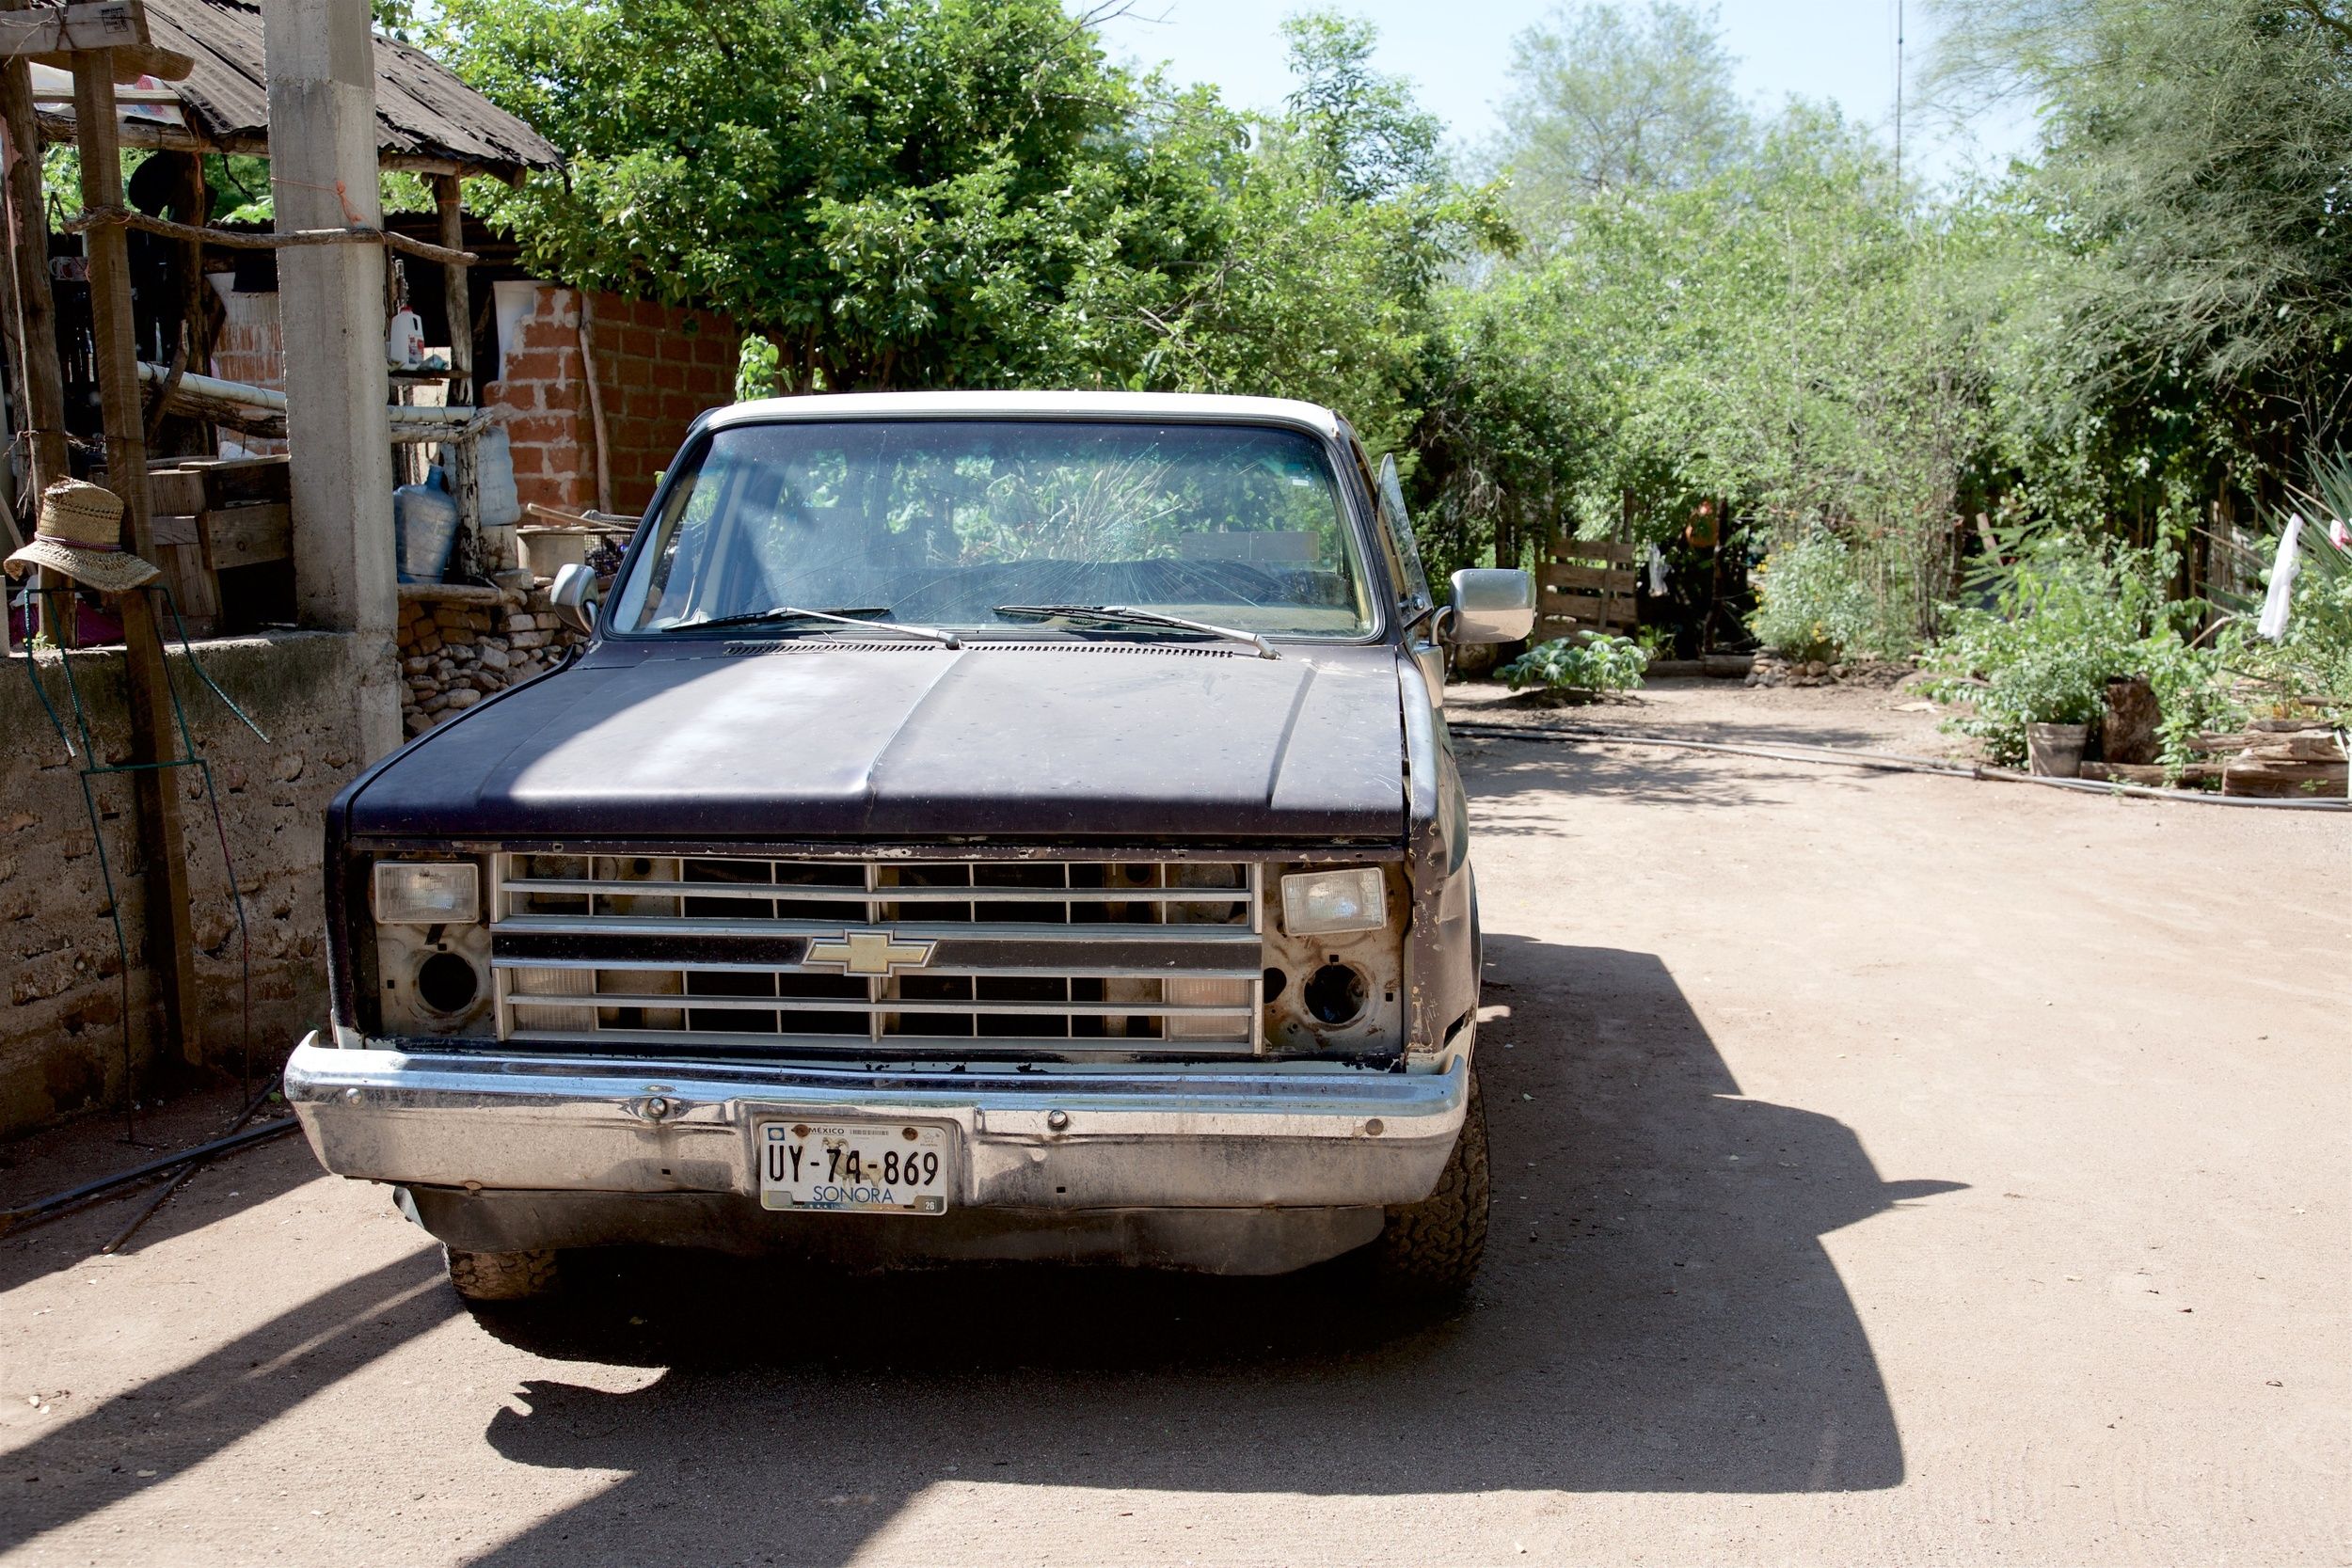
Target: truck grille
701	955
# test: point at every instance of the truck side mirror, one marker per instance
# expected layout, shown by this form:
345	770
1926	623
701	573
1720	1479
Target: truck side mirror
573	596
1490	605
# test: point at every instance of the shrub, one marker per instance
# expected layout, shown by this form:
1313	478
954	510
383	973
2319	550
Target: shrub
2068	616
1593	664
2311	665
1807	604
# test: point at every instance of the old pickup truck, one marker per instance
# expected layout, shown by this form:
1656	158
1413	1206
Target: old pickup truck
979	826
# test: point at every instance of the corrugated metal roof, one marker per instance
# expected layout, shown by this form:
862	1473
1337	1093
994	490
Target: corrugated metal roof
422	109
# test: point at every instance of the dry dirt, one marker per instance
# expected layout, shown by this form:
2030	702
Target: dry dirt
1890	1169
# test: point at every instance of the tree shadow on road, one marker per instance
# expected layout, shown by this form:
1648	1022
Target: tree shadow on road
1657	1313
1510	771
175	1421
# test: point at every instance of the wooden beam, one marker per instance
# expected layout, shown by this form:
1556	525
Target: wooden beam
142	134
1598	579
464	472
61	29
42	381
596	398
1592	609
234	238
154	736
1594	549
19	410
248	535
133	61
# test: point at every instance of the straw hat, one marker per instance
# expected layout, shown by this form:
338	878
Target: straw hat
80	534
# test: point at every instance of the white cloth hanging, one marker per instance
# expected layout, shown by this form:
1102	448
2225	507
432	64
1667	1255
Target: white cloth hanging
2273	624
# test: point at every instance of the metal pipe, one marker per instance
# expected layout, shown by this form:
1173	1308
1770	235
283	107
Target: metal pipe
45	1206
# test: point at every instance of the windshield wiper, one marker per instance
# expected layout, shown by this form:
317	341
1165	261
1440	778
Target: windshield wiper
1128	615
794	612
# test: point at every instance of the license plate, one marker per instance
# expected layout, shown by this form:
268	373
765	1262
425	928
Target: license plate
855	1167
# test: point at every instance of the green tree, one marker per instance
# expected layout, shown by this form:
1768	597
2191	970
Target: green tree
2191	325
897	192
1361	129
1332	234
1607	98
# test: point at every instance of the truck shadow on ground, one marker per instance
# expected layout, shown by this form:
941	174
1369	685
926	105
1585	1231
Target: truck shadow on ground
1657	1313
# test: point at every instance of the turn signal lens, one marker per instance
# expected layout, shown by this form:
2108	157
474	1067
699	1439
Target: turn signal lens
427	892
1320	903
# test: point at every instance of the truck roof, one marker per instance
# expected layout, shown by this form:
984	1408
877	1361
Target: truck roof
1092	405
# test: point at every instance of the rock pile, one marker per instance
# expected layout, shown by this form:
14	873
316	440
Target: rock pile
458	644
1773	670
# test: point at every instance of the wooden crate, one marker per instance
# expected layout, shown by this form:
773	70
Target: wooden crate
216	515
1587	585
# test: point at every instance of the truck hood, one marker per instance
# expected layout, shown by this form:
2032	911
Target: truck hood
805	739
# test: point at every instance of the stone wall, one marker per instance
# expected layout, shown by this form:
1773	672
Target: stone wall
61	1026
657	366
458	645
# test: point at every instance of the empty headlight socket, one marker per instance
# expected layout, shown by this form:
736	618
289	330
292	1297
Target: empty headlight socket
433	980
1334	993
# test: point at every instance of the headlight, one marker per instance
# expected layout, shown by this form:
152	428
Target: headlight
1318	903
427	892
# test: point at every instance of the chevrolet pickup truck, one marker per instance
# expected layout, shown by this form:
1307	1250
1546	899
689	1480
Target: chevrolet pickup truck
980	826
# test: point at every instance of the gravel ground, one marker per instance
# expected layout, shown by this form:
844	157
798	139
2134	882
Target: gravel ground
1889	1169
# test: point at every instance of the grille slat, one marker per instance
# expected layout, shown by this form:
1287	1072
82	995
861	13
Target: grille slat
770	893
700	1002
742	954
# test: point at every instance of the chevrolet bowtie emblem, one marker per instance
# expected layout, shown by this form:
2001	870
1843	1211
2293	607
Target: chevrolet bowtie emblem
868	953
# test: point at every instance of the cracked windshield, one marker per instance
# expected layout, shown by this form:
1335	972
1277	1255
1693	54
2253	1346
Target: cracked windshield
941	523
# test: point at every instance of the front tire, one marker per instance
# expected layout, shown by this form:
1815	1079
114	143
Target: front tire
1431	1250
501	1276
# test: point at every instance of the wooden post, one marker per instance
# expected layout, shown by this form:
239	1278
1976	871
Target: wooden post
37	318
154	737
596	398
464	472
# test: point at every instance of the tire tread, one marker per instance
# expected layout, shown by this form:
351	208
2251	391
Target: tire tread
1434	1247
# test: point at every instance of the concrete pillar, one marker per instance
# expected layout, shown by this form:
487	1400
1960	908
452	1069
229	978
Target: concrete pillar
331	300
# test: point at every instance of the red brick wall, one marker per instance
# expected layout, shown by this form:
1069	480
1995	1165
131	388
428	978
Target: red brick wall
251	350
657	366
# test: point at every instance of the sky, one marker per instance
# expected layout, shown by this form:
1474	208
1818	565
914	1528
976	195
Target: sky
1456	53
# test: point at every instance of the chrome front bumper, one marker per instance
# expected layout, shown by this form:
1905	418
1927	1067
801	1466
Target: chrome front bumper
1306	1135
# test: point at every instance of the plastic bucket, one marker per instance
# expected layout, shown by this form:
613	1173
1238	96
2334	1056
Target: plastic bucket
424	529
2056	750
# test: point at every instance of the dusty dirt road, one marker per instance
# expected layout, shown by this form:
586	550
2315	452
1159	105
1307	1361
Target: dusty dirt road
1890	1169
